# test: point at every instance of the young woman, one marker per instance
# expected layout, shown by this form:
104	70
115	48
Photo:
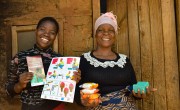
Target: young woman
18	81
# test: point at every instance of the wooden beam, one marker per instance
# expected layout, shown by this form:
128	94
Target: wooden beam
133	30
177	5
134	39
170	52
158	55
146	49
122	37
96	14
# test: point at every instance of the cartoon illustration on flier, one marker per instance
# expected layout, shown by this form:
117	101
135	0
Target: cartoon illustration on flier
59	84
35	65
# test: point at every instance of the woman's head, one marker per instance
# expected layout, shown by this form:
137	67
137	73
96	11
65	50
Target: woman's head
105	30
51	19
46	32
107	18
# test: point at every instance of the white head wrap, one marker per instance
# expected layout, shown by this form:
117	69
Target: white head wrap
108	18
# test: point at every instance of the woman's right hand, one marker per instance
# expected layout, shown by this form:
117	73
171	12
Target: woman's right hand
24	78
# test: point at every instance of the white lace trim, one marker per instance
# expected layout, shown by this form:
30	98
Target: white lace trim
121	62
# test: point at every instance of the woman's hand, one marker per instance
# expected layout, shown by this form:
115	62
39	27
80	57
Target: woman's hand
88	101
144	95
77	75
24	78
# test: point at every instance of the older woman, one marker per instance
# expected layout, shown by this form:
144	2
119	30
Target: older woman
112	71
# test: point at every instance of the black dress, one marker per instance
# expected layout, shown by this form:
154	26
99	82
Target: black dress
111	75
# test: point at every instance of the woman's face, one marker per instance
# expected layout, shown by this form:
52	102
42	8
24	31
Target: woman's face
45	34
105	35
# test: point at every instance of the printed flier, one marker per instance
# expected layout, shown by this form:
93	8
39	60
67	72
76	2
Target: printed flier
35	65
59	84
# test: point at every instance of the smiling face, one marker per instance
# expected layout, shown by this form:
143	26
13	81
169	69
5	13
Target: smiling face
105	36
46	34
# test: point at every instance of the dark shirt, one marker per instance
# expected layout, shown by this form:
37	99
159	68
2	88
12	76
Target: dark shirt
30	95
111	75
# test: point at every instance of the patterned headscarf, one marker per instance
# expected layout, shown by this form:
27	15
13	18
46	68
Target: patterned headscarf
108	18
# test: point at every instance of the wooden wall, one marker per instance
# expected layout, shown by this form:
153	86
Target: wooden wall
74	17
147	35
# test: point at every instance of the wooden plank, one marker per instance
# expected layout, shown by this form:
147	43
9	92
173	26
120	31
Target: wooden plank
170	52
14	40
146	49
112	5
60	36
96	14
133	29
119	8
134	40
158	55
177	5
122	37
26	28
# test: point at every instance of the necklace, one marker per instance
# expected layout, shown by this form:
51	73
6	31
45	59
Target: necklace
93	61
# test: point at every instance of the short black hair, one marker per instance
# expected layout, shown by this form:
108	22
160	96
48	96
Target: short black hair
51	19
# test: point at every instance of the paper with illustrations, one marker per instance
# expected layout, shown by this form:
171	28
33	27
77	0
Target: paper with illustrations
59	84
35	65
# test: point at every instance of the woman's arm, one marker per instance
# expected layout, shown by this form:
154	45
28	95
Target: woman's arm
12	77
16	82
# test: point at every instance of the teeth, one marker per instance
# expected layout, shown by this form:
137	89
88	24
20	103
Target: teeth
45	39
105	39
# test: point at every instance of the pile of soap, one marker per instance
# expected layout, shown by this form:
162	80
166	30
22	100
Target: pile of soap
141	85
90	91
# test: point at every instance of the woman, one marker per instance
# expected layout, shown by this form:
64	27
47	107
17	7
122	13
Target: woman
112	71
19	78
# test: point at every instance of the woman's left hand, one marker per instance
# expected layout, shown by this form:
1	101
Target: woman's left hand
77	75
144	95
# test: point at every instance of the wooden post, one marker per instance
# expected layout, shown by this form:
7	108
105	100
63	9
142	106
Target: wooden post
122	37
158	55
146	49
133	27
170	52
96	14
134	40
177	5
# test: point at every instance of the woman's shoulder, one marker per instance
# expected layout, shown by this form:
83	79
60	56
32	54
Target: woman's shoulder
121	55
55	54
20	57
84	57
85	54
23	53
